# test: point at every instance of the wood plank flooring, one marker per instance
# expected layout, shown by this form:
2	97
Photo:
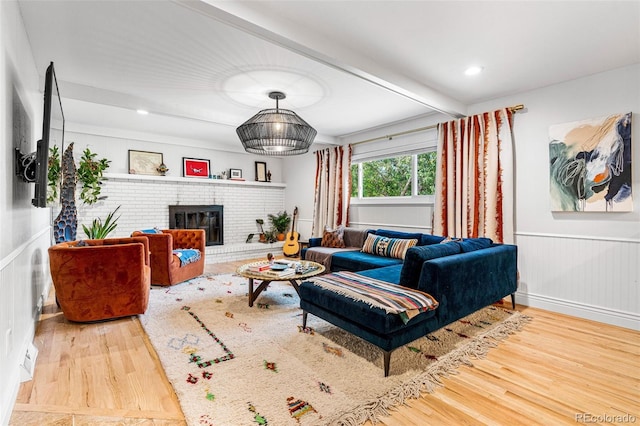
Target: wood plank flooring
553	371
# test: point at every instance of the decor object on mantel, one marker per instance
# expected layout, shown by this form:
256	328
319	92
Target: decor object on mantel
162	169
238	364
145	163
276	131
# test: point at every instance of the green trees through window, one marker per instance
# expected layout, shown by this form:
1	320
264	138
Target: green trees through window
402	176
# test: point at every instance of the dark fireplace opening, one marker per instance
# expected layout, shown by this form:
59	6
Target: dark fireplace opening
209	218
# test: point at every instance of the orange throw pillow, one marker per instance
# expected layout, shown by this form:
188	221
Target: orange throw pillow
333	238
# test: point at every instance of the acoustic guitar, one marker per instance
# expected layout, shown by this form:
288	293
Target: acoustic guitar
291	246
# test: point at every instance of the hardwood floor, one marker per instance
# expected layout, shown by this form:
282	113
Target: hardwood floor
555	370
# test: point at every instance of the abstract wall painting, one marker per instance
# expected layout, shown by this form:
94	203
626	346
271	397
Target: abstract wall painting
590	165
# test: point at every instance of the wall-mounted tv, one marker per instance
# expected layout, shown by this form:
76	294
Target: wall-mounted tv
52	133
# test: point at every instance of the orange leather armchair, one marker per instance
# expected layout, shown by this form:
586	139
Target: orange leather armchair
101	279
166	268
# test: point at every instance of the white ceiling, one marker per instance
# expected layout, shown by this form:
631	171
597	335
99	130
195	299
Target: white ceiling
203	68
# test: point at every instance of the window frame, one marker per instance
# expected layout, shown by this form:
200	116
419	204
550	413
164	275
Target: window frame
413	199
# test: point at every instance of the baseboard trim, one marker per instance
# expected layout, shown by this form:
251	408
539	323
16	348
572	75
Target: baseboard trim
624	319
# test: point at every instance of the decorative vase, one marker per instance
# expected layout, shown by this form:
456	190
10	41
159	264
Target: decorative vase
162	169
66	224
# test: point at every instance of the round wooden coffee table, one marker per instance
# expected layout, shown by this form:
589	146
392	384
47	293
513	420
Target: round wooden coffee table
310	269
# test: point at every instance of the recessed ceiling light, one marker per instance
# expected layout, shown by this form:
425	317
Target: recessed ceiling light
474	70
142	111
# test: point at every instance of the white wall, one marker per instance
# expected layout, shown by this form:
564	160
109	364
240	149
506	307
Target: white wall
582	264
115	147
24	275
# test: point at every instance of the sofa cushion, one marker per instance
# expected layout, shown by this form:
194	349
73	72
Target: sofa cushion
358	261
368	317
398	234
416	256
472	244
333	238
390	274
387	247
428	239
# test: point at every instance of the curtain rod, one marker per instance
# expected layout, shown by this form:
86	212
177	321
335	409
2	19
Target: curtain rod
514	108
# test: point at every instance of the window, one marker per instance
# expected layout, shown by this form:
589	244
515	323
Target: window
400	176
426	172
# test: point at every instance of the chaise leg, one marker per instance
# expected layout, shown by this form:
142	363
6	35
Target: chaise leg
387	360
513	300
304	319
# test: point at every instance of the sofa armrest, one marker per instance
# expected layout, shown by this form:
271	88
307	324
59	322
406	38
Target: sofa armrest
160	248
466	282
315	242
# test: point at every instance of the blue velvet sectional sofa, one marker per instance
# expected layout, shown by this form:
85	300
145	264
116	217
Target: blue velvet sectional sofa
463	276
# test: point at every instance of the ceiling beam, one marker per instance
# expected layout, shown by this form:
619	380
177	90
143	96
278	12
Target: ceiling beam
298	39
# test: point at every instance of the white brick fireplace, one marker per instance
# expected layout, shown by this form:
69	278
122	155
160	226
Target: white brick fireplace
145	202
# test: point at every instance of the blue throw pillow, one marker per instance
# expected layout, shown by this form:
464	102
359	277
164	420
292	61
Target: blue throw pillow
428	239
416	256
473	244
151	231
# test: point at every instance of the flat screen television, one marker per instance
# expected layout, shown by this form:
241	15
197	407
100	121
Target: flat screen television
52	133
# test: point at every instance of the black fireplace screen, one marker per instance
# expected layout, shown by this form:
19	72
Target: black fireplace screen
209	218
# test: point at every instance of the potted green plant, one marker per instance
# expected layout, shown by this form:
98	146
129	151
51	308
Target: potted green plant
90	177
280	223
54	173
270	236
261	237
98	229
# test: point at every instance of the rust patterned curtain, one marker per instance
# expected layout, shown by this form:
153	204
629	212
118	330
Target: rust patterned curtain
331	203
474	185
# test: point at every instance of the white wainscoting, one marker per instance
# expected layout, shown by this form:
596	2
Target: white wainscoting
589	277
24	285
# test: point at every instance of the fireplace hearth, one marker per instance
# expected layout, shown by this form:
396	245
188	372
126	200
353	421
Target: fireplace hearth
207	217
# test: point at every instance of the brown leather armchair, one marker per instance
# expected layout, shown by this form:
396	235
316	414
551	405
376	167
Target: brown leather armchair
166	268
101	279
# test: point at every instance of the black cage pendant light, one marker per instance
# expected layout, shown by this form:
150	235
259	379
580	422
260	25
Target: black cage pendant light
276	131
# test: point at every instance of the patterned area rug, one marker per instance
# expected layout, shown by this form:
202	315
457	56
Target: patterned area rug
234	365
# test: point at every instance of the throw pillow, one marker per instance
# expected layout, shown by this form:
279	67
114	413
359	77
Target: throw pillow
387	247
333	238
155	230
450	240
473	244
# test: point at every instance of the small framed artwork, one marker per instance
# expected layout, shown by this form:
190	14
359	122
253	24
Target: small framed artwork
144	162
195	167
235	174
261	171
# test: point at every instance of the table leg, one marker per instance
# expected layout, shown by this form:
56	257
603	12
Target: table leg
250	292
294	283
253	295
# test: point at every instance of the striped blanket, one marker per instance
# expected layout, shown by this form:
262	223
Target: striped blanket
393	298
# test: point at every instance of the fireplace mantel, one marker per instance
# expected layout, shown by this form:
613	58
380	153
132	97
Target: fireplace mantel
132	177
144	203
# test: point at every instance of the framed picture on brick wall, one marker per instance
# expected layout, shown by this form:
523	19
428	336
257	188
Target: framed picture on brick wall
195	167
144	162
